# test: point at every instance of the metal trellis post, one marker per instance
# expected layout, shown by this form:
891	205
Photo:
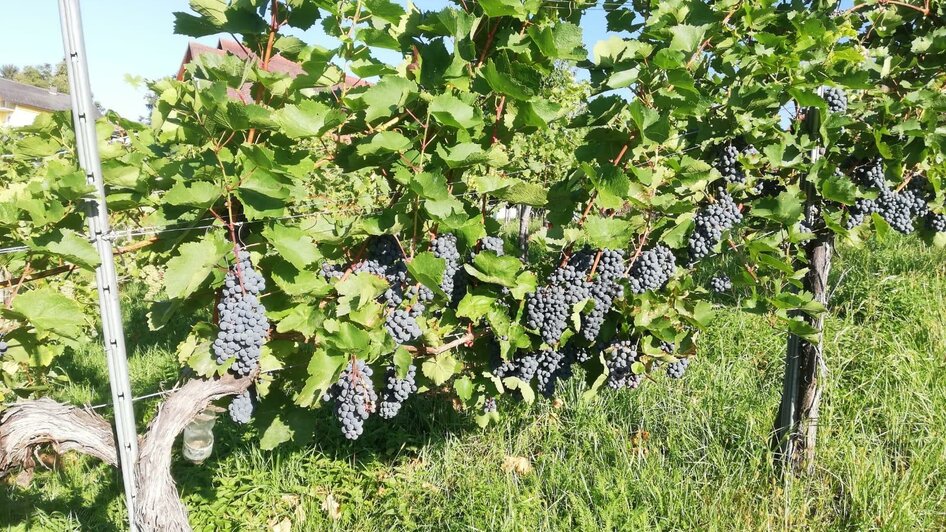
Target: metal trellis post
83	114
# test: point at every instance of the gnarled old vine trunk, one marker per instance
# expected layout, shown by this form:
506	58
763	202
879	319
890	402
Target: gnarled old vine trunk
30	424
796	426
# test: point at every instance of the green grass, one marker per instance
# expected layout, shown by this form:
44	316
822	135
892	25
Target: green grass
673	455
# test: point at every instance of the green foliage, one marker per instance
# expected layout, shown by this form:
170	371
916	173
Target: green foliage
45	76
310	170
690	454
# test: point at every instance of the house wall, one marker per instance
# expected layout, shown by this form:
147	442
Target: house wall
21	115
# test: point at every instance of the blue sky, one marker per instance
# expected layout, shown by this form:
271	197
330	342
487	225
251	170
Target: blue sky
136	37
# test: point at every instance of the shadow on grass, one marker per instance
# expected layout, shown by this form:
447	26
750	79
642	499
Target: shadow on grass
19	506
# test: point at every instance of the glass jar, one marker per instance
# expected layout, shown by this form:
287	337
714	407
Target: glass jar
199	436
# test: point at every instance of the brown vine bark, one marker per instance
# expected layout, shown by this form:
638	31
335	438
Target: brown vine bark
29	424
159	505
796	426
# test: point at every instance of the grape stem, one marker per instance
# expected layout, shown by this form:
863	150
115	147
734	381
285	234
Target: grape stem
465	339
640	248
584	215
499	116
749	267
26	272
267	55
489	43
706	42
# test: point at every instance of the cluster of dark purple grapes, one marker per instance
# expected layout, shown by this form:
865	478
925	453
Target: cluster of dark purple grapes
572	282
241	408
767	188
402	326
489	406
710	224
551	364
547	311
623	354
936	222
354	398
386	261
396	391
727	162
899	208
548	308
547	366
871	175
652	269
523	368
721	284
242	318
576	353
332	271
419	291
675	370
836	99
858	212
444	246
494	244
606	288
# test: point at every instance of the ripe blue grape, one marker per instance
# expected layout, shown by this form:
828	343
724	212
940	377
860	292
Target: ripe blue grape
241	408
386	261
727	162
444	246
936	222
767	188
396	391
548	370
523	368
421	292
720	284
623	354
836	99
490	405
871	175
861	209
652	269
577	354
494	244
606	287
402	326
710	224
899	209
675	370
332	271
354	398
243	325
547	311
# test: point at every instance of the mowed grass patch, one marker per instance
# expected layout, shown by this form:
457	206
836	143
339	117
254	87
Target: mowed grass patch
689	454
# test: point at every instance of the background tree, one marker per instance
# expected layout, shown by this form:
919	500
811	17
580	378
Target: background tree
46	75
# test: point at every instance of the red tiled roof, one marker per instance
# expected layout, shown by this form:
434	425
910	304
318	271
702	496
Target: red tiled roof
277	63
